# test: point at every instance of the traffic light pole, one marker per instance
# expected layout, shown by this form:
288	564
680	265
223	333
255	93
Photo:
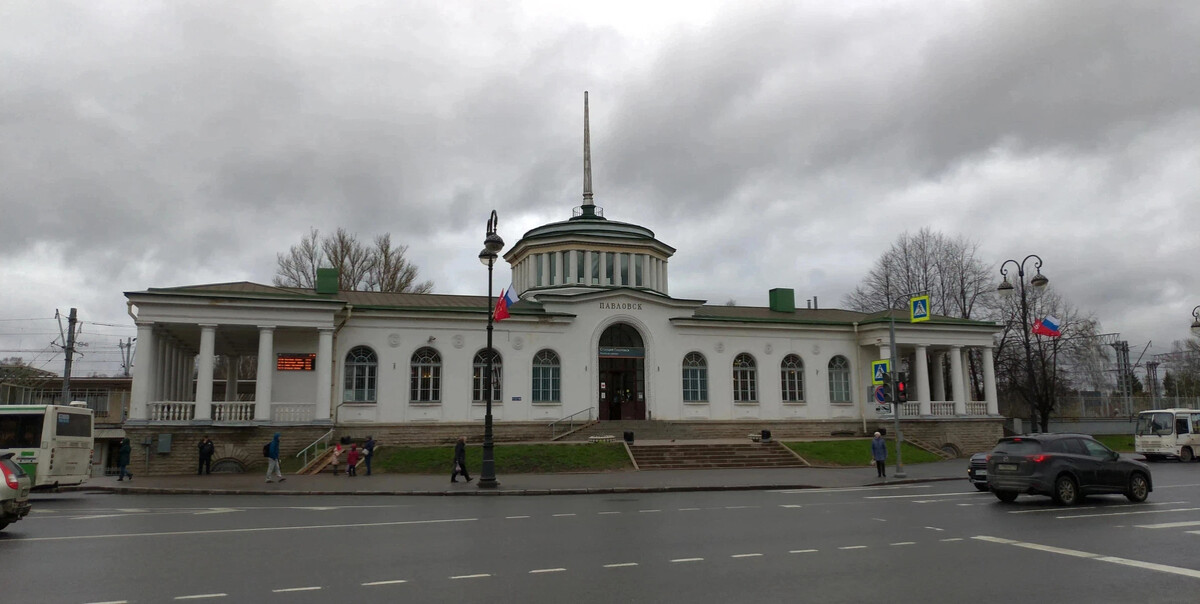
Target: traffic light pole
899	473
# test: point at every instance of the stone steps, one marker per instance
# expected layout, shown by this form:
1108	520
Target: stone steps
722	455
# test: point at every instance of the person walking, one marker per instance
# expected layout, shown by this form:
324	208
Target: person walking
123	460
368	452
333	459
460	460
879	454
207	449
273	460
352	461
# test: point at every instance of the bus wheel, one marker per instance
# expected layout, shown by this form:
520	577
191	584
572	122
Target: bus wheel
1185	454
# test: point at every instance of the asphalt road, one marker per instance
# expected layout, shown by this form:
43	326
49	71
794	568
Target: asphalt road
931	542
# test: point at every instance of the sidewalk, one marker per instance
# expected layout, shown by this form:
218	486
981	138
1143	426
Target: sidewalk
652	481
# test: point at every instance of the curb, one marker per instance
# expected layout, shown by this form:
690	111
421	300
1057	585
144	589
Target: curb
486	493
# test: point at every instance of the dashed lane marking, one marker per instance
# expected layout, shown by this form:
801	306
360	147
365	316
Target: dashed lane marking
904	543
1127	513
1175	570
562	515
745	555
741	507
620	564
648	511
478	576
950	539
802	551
392	582
1096	507
291	589
854	489
547	570
853	547
688	560
689	509
791	505
514	517
924	495
112	602
603	513
201	596
934	528
262	529
1168	525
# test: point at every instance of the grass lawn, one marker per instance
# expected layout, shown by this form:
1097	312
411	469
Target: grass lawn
854	452
514	459
1117	442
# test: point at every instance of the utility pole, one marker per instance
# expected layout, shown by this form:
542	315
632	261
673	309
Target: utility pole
126	348
69	351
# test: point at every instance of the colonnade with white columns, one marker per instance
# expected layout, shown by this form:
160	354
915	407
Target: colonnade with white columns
630	269
163	380
939	392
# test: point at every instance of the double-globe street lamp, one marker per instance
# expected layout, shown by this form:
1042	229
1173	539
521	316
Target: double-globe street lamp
1006	288
492	244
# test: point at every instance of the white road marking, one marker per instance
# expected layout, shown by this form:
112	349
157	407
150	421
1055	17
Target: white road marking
853	547
924	495
392	582
853	489
112	602
1128	513
562	515
216	511
904	543
246	530
547	570
688	560
950	539
619	565
608	512
514	517
689	509
200	596
289	589
133	510
649	511
1175	486
745	555
791	505
740	507
1192	532
879	520
481	575
1175	570
1168	525
802	551
934	528
1094	507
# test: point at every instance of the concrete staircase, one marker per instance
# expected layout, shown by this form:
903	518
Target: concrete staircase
696	455
642	430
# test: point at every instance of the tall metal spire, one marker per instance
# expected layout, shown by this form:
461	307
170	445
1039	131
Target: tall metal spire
587	154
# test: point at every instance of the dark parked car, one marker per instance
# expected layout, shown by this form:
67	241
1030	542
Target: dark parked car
14	491
1066	467
977	471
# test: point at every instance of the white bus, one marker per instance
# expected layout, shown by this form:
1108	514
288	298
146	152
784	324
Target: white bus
1163	433
52	443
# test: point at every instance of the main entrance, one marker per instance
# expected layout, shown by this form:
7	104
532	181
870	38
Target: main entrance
622	373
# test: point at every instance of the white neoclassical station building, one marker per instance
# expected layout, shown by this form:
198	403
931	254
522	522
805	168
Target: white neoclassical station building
596	333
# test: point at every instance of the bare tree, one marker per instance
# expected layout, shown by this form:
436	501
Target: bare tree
379	268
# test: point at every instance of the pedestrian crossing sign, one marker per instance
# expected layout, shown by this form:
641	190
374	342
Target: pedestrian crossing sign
918	308
878	369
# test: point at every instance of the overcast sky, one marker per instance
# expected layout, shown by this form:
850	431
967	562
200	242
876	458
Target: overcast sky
774	144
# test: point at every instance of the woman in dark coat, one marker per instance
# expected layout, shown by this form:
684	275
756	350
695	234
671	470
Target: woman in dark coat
123	460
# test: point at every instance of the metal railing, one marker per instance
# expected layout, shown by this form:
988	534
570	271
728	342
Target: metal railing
317	448
570	422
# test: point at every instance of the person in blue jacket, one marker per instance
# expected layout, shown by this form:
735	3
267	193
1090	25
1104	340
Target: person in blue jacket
879	454
273	460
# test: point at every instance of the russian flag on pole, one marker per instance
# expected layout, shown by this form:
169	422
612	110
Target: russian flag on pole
1047	327
507	298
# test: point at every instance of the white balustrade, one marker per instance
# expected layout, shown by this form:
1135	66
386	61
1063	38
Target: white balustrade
293	412
977	408
233	412
910	409
170	412
942	408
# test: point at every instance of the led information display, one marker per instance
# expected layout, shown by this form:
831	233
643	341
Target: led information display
286	361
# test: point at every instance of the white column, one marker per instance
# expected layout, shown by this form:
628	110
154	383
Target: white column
266	371
603	267
544	263
587	267
968	392
662	279
204	379
646	260
939	376
143	371
324	371
956	388
617	280
572	271
989	382
563	259
921	368
179	374
190	377
231	377
161	352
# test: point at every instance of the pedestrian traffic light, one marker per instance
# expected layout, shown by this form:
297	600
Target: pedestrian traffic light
902	388
887	387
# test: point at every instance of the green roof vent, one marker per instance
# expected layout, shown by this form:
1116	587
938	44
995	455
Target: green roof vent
783	299
327	281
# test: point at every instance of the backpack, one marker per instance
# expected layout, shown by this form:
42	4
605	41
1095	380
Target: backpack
267	450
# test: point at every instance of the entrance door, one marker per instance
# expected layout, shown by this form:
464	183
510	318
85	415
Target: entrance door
622	374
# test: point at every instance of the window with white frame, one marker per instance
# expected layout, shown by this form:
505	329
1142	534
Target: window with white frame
839	380
791	377
479	377
425	384
695	378
361	369
745	379
546	377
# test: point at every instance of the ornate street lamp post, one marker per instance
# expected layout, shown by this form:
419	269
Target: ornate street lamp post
1039	281
1196	321
492	244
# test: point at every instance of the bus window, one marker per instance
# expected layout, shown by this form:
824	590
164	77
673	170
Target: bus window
20	431
1181	425
1155	424
74	424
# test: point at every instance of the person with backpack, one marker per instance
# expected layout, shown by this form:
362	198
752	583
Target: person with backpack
207	449
271	451
368	452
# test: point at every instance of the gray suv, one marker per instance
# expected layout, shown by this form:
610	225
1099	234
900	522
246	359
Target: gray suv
1066	467
14	491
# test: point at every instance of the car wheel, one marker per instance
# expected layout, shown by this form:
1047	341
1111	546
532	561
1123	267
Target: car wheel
1139	488
1186	454
981	487
1066	492
1006	496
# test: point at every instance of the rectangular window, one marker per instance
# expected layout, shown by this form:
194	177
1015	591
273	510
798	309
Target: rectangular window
546	384
695	384
609	261
537	260
624	269
595	268
579	268
745	389
639	262
553	267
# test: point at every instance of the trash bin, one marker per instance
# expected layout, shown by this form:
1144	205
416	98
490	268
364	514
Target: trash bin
629	436
766	436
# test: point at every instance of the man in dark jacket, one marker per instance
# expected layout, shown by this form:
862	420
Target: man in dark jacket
273	460
368	453
123	460
207	448
460	460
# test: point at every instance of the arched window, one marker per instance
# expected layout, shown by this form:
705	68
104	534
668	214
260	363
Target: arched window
478	381
745	379
791	376
546	377
426	381
361	368
695	378
839	380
